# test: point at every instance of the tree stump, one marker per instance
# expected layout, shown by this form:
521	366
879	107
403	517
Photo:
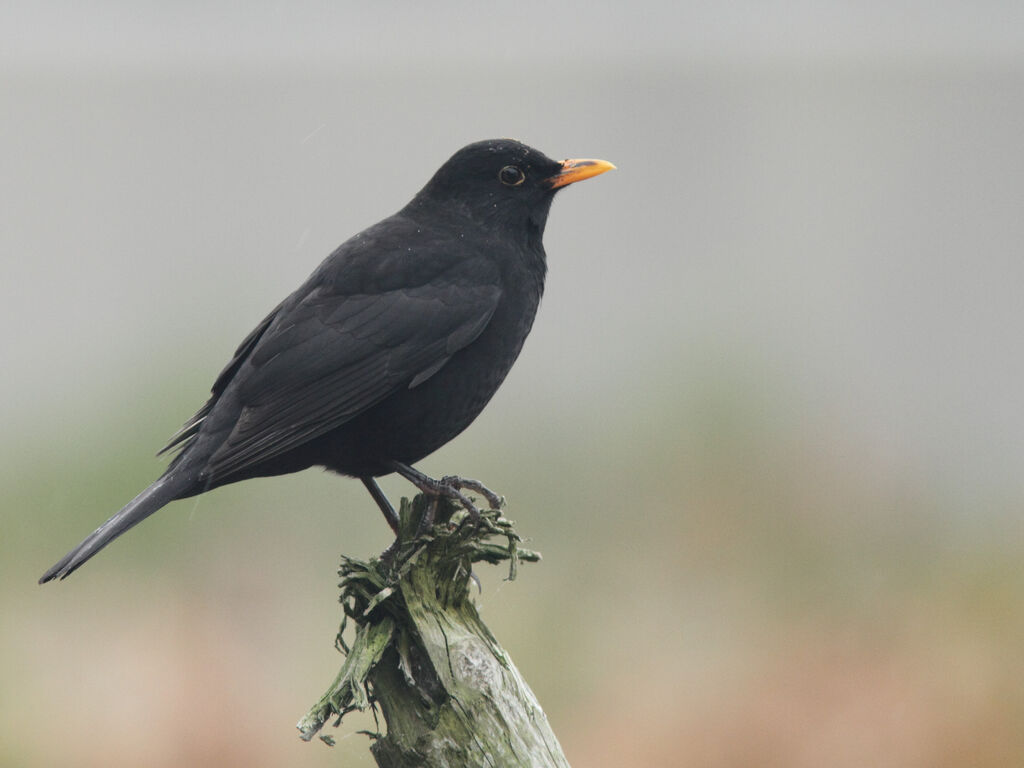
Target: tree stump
449	694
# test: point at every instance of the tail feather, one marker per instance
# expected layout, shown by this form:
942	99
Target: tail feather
166	489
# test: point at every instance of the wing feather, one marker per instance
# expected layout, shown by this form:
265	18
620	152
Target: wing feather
328	357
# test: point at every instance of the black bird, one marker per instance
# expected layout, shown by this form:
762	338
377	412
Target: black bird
389	350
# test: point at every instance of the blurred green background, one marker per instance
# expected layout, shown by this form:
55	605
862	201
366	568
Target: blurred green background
767	431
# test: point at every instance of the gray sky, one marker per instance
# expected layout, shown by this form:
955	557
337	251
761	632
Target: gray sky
122	31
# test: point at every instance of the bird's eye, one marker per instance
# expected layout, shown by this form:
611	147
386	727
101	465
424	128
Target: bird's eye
511	176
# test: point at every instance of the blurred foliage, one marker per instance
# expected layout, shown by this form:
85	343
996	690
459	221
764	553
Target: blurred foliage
759	602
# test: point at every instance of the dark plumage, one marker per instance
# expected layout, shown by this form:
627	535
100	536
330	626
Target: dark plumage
389	350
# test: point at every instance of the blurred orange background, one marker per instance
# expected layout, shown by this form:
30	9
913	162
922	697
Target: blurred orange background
767	432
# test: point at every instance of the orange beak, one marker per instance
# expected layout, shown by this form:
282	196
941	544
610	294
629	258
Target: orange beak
578	170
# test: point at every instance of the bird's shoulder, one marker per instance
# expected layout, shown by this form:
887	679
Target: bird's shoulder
397	280
405	252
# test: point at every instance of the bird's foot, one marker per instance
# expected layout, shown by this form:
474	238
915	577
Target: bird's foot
459	483
451	487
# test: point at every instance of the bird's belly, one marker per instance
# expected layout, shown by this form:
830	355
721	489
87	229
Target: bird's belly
410	424
413	423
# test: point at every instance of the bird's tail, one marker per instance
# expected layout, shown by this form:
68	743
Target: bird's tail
168	488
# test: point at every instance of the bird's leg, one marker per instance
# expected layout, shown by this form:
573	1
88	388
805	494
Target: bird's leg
449	486
382	502
389	514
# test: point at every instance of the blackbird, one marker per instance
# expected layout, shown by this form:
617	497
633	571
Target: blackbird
390	348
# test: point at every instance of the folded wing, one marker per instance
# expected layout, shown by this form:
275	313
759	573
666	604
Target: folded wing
327	358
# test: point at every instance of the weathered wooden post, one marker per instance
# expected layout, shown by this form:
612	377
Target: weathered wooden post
450	695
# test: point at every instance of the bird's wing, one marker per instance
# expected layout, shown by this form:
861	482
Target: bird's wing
325	358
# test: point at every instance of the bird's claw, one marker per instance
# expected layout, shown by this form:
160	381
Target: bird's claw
458	483
451	487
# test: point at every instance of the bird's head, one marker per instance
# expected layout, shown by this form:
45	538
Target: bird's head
503	182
